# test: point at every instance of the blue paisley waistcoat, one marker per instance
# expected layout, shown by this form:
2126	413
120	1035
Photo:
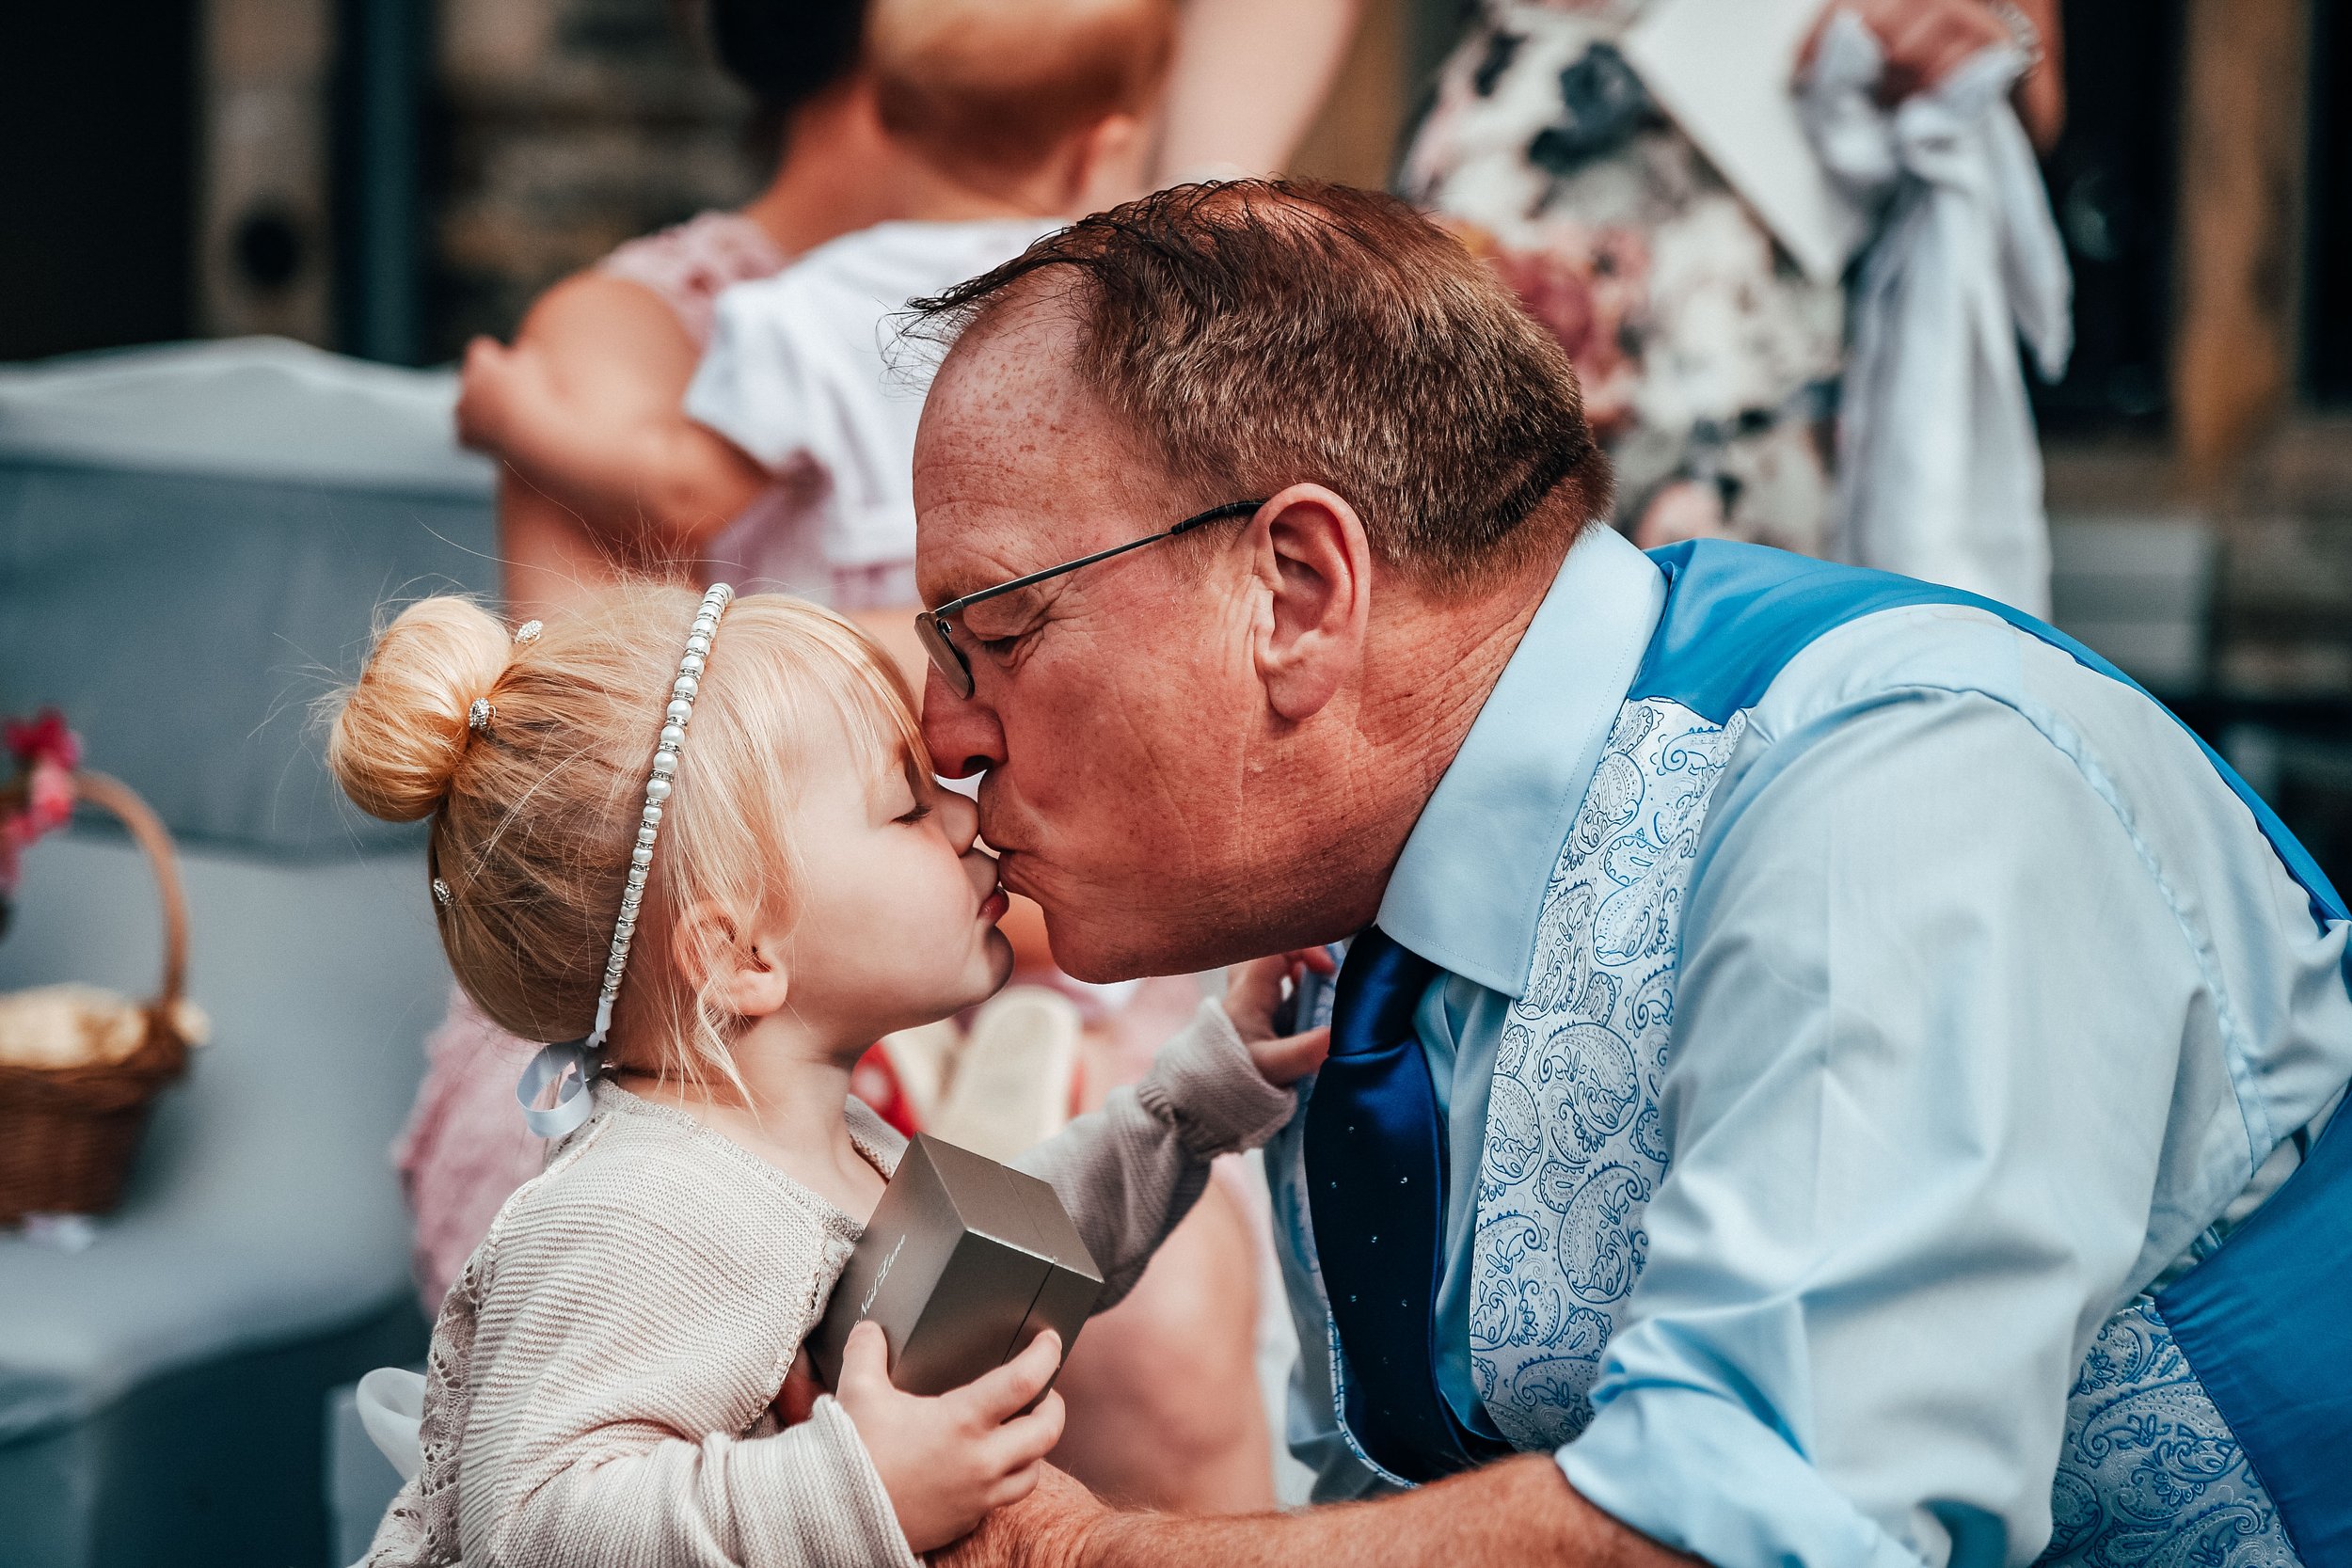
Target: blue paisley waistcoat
2150	1472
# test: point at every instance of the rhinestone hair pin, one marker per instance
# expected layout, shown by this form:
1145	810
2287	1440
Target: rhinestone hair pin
440	893
569	1067
478	714
528	633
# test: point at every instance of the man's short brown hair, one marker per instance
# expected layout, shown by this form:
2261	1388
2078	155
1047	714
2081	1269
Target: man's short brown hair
1266	333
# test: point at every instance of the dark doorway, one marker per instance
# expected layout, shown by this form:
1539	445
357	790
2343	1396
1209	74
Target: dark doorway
2327	307
98	150
2111	180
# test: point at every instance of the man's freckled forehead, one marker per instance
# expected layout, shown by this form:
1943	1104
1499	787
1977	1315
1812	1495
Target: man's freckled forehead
992	449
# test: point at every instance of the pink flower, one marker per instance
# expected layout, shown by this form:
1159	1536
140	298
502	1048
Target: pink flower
46	754
44	739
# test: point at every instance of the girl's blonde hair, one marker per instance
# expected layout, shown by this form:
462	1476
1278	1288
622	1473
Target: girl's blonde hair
534	814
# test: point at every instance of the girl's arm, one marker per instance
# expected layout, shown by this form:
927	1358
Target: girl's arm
605	1387
803	1498
1130	1171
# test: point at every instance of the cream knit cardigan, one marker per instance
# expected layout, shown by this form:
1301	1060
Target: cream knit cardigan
601	1384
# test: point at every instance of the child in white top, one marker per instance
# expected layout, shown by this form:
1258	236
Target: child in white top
790	464
797	378
617	1377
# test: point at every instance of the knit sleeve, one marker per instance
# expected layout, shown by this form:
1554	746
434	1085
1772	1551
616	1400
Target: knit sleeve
806	1497
640	1315
1130	1171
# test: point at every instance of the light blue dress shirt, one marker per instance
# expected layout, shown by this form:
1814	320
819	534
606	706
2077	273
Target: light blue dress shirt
1991	1012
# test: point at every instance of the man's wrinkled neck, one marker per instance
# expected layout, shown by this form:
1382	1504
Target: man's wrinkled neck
1430	663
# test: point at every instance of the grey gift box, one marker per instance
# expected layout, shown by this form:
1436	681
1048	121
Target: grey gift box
963	1263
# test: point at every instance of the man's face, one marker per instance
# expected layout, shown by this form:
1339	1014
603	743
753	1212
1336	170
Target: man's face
1116	712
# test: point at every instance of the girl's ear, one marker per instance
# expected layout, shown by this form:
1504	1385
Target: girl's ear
744	974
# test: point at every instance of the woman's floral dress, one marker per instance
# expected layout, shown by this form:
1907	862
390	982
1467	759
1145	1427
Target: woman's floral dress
1709	361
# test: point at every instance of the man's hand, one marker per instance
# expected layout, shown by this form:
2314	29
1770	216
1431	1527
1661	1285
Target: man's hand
1253	994
946	1462
1045	1529
1518	1511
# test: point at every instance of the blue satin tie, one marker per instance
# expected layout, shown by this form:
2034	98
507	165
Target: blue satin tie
1376	1187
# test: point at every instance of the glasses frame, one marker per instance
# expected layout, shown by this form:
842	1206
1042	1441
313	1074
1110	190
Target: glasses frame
931	627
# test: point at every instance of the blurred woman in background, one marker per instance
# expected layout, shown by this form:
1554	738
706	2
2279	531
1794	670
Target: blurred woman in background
1710	362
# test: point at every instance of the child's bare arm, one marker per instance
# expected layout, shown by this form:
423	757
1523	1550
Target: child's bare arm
618	350
637	471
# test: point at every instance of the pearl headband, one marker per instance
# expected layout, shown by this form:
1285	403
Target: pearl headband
569	1067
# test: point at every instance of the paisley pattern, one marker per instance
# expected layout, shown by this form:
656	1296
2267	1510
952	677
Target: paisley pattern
2150	1473
1574	1145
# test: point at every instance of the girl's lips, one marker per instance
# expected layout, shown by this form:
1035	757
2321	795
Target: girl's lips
992	908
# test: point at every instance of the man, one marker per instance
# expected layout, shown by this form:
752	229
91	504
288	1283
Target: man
1825	1070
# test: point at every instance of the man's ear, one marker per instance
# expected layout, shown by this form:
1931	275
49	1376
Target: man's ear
1316	565
744	969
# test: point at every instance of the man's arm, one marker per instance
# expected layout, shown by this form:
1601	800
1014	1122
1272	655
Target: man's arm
1520	1511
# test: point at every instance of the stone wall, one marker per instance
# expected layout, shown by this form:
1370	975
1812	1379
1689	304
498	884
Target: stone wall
563	128
263	252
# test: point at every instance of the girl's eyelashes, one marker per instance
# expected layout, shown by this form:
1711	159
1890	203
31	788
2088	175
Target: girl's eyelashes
922	809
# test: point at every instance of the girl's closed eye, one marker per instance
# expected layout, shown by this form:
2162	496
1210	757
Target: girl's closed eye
921	810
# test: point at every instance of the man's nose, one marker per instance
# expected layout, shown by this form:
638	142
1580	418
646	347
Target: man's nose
960	732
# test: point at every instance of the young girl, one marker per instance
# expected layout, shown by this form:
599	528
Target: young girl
704	846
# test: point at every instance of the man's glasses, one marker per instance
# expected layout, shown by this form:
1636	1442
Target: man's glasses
932	625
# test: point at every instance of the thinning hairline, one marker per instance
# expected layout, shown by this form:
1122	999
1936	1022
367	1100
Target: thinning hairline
974	323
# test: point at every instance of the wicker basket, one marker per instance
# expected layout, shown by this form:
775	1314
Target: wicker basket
67	1135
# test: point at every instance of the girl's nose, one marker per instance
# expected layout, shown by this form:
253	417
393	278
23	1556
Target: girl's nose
960	819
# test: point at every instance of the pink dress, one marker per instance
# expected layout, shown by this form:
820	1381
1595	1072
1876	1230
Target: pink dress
689	264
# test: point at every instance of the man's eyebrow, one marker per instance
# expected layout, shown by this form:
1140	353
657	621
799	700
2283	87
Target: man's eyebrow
1019	605
955	581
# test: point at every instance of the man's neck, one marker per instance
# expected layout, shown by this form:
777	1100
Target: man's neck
1430	667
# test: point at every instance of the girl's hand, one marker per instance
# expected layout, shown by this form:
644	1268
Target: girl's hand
946	1462
1255	992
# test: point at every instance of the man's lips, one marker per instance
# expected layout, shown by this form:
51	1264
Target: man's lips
1008	875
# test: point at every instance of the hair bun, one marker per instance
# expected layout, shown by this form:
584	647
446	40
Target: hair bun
399	733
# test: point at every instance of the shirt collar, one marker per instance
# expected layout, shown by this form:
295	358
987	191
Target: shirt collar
1468	888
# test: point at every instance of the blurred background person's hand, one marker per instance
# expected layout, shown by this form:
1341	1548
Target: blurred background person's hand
1925	40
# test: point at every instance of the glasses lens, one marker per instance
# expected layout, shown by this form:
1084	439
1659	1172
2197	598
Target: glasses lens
945	657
